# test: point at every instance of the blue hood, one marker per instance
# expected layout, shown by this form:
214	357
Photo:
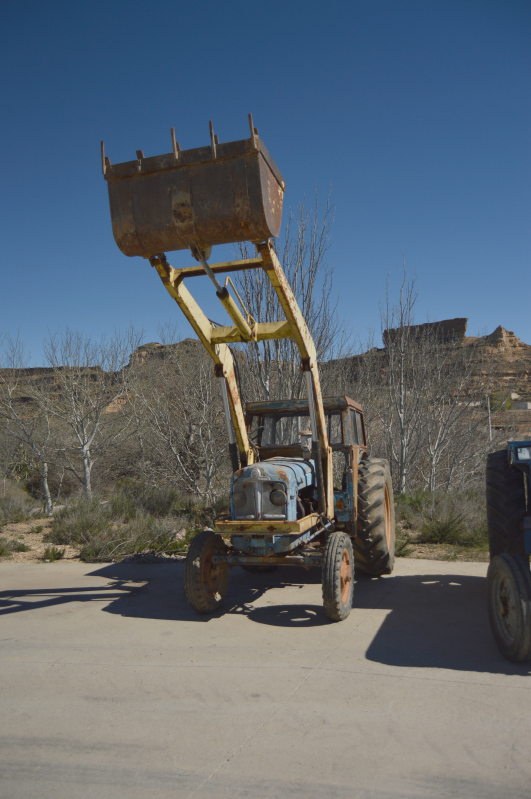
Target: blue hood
269	489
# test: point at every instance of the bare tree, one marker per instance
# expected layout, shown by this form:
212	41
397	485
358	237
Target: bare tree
271	368
453	431
87	390
9	455
182	426
406	367
423	398
24	420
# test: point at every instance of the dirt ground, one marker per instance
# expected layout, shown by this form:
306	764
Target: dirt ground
112	686
444	552
32	533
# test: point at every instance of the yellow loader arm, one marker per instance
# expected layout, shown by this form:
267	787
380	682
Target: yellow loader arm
215	339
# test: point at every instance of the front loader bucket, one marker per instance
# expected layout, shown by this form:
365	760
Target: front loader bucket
217	194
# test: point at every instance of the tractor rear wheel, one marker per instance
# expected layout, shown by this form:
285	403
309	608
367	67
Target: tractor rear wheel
509	604
506	505
205	582
338	576
374	544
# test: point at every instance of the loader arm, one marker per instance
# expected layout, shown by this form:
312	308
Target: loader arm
218	350
216	339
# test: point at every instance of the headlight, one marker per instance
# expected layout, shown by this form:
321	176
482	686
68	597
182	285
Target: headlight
239	499
278	497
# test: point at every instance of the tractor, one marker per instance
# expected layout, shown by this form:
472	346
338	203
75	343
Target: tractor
509	528
304	490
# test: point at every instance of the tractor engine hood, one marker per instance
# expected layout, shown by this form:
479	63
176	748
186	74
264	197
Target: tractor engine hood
268	490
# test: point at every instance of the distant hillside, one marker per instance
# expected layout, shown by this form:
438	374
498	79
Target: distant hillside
508	358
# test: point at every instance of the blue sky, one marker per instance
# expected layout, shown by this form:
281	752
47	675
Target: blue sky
415	112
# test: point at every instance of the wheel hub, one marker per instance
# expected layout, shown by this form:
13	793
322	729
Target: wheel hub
506	607
345	576
212	575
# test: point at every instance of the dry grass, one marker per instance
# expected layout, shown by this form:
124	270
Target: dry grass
140	521
442	526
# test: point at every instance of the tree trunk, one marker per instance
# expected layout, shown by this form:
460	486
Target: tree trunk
87	467
46	488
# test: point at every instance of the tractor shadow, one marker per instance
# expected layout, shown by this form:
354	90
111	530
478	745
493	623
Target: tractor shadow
162	594
429	620
433	620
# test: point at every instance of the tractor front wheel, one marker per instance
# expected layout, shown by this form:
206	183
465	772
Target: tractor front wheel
205	582
509	604
338	576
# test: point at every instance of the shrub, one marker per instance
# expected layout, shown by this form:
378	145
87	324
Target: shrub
135	520
122	505
15	509
154	500
457	519
447	527
143	534
403	540
78	522
19	546
53	553
159	501
8	546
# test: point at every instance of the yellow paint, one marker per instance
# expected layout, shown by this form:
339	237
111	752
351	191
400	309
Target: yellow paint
267	527
215	340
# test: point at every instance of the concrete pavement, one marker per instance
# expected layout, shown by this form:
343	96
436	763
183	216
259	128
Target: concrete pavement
111	686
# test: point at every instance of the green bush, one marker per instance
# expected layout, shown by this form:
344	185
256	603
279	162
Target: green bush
8	546
15	509
53	553
79	521
402	545
144	534
134	496
443	528
122	506
415	502
457	519
159	502
137	519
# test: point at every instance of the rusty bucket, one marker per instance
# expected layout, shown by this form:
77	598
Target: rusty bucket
222	193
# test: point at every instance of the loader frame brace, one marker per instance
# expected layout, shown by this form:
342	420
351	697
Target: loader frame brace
216	339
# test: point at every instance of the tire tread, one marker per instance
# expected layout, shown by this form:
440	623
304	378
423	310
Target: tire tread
193	578
506	505
331	583
371	553
519	649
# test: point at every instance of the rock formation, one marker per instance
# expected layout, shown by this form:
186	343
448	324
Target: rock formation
446	331
504	339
